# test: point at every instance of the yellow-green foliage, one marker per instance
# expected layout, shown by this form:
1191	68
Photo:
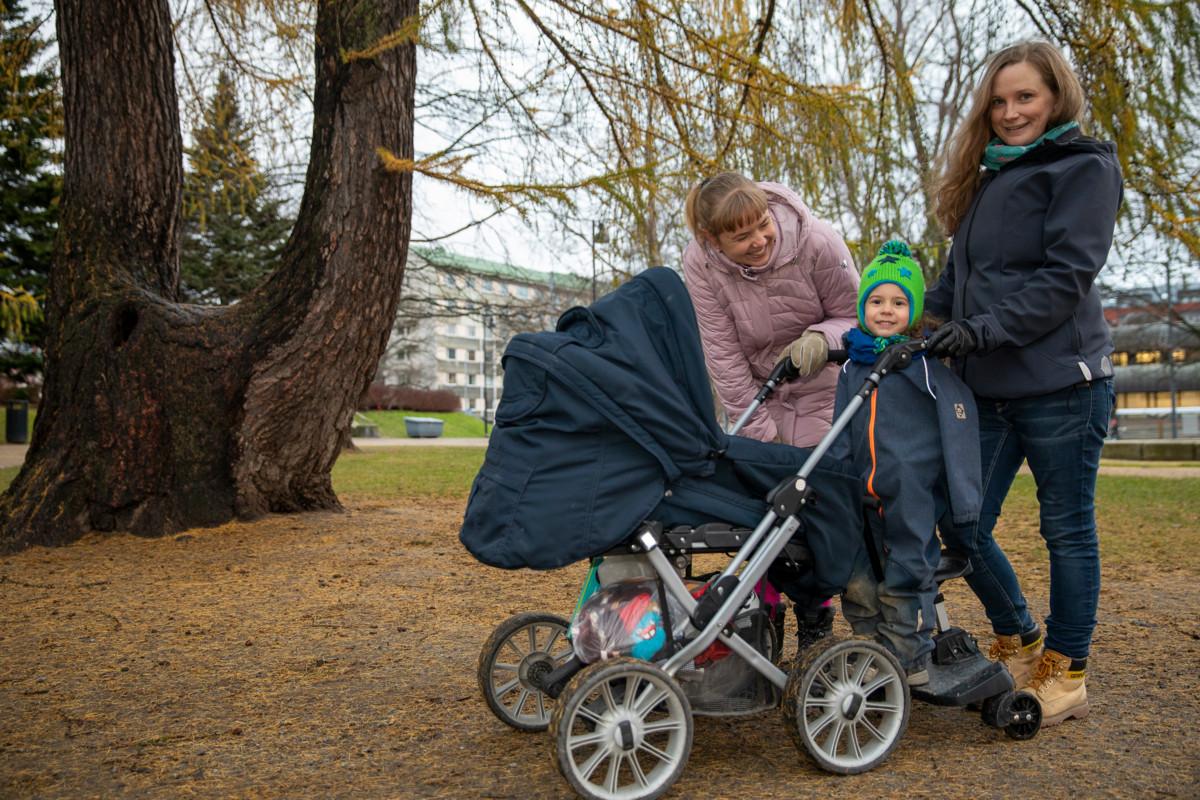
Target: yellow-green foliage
1140	65
17	310
617	109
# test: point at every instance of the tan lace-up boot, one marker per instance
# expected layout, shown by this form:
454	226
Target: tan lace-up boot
1018	658
1061	691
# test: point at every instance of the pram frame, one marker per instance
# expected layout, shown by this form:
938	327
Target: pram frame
768	540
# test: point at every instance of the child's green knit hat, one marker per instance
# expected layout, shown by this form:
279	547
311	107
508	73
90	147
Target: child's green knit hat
894	264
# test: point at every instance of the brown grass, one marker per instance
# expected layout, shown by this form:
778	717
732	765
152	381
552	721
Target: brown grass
333	655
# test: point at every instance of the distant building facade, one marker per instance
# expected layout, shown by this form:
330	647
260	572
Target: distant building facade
456	316
1154	362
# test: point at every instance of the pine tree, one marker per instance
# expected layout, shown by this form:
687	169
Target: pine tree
30	183
233	229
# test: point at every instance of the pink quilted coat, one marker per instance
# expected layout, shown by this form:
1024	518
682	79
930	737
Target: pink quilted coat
748	315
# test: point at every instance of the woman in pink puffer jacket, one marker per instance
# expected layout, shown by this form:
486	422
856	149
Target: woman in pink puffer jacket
768	280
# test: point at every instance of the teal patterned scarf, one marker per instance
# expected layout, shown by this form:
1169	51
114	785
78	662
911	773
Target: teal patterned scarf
997	153
864	348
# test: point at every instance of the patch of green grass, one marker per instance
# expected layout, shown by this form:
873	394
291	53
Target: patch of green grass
401	472
1142	521
455	424
395	472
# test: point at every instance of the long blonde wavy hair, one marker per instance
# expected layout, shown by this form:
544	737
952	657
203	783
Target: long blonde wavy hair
959	170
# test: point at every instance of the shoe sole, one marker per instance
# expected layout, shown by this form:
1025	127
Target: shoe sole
1078	712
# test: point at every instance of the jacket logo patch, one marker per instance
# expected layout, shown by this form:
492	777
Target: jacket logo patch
960	411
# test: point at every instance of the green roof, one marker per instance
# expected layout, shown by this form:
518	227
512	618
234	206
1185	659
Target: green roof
440	257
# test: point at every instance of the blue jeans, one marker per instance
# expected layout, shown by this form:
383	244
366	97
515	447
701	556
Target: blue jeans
1060	434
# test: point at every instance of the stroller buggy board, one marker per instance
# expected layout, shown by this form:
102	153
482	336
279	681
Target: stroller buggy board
606	448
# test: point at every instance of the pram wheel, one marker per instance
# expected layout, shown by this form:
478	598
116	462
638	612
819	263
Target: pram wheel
521	650
997	710
846	704
1026	715
622	729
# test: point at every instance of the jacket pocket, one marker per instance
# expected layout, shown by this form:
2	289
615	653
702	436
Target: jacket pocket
524	390
491	529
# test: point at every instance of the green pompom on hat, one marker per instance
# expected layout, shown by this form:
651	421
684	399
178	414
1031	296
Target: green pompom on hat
894	264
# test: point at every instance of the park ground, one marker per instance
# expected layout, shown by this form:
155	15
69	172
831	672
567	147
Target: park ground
334	655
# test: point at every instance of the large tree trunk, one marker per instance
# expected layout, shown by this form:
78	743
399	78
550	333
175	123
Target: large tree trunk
158	415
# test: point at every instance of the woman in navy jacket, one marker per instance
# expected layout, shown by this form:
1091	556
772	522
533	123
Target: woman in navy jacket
1032	204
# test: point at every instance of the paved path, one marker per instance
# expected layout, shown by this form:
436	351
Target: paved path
13	455
440	441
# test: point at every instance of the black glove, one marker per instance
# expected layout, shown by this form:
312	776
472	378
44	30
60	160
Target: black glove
952	339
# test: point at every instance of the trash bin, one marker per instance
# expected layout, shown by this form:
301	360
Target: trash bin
422	427
16	421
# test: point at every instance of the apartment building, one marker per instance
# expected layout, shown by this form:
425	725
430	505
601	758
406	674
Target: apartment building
456	316
1157	368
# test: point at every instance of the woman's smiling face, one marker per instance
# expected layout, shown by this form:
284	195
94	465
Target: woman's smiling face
751	244
1021	104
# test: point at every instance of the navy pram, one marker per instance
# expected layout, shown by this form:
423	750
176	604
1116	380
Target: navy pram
609	421
607	448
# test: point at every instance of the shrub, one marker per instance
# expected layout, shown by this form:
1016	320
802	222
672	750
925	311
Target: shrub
380	396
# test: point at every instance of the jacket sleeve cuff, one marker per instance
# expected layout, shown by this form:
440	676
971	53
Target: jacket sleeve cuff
987	331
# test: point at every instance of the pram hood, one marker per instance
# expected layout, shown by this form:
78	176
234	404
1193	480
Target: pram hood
608	421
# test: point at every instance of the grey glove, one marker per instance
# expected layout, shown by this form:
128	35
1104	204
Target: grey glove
809	353
953	339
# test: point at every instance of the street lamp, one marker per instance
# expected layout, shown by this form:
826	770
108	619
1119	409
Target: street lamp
1171	356
486	388
599	236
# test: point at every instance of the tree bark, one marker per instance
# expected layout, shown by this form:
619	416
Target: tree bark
156	415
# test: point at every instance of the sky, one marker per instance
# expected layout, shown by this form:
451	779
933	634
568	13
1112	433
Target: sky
440	209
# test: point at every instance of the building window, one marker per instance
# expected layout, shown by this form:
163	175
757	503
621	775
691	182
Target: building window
471	379
451	353
1179	355
488	285
470	355
523	291
1148	357
471	331
1121	359
451	377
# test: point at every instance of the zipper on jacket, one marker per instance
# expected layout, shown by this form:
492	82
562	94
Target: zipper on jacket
967	257
967	241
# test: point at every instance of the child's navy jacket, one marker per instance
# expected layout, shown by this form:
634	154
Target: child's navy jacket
921	418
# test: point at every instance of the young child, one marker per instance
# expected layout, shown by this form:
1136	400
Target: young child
916	445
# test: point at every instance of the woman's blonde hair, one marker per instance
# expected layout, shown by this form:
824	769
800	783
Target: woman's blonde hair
959	168
724	202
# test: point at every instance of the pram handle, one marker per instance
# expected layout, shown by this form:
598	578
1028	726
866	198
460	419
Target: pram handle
784	371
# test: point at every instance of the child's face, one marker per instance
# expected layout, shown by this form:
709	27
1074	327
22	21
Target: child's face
751	244
886	311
